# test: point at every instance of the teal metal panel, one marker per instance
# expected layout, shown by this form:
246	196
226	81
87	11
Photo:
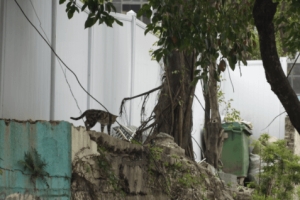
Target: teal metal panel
52	140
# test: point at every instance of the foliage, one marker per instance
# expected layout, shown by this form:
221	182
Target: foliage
107	172
255	55
205	26
287	24
155	156
99	11
231	114
155	153
35	165
281	173
187	180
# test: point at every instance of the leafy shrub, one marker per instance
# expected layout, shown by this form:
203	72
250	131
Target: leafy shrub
280	176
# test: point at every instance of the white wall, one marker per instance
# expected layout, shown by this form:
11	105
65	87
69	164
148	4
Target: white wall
253	97
198	121
111	63
25	62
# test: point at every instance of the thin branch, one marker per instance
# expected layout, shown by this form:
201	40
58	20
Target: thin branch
273	120
202	152
172	103
199	102
230	80
130	98
293	65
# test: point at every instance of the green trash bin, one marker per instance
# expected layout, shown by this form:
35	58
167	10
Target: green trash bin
235	153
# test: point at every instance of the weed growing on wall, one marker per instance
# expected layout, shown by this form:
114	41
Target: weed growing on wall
280	175
35	165
154	160
107	172
231	114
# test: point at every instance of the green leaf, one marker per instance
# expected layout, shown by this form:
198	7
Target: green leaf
61	1
90	22
216	76
70	14
84	7
197	72
108	8
147	30
113	7
69	4
195	81
71	11
145	8
119	22
148	13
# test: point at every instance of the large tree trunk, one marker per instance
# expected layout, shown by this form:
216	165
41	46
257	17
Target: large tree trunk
263	13
173	112
213	134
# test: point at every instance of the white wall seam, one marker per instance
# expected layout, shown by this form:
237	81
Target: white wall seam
2	52
133	47
89	77
53	60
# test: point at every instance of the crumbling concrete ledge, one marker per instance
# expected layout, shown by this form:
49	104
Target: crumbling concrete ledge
156	171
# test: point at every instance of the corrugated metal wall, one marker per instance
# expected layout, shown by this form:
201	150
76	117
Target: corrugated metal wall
33	84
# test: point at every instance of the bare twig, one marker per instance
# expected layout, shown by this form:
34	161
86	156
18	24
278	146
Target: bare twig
293	66
130	98
273	120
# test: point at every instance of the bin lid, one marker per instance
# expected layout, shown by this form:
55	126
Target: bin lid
237	127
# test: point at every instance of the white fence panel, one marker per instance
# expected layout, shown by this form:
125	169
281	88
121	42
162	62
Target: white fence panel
111	64
254	98
72	47
198	121
25	63
147	74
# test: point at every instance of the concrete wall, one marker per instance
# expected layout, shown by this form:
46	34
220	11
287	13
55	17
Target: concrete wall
82	145
52	140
